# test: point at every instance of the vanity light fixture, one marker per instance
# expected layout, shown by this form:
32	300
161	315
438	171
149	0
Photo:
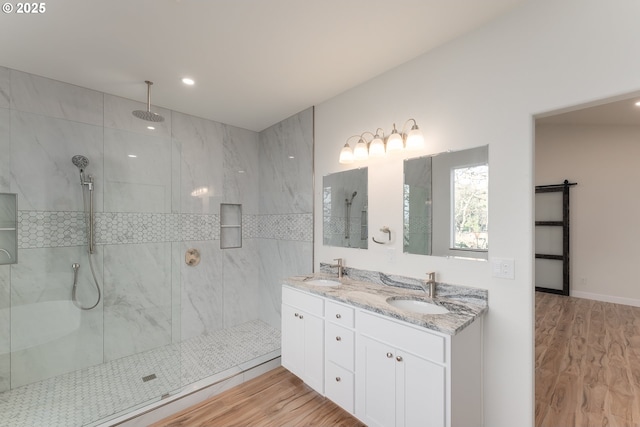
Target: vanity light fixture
151	128
412	139
346	154
188	81
376	147
395	141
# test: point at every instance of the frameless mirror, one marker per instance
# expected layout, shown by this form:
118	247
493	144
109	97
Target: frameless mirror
344	209
445	204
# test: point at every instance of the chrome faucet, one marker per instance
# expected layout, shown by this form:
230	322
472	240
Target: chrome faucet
340	266
429	285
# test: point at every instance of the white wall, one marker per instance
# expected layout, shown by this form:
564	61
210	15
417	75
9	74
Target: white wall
483	89
603	160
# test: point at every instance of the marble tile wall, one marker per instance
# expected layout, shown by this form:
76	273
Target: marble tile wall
148	213
286	208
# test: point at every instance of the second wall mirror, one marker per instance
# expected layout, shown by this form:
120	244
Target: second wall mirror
445	204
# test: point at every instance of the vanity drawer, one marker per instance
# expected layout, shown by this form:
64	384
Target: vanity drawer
339	386
339	344
403	336
302	300
340	314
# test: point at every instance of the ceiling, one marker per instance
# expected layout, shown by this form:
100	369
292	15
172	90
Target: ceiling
255	62
622	112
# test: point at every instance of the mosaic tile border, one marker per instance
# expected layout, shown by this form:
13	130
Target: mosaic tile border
48	229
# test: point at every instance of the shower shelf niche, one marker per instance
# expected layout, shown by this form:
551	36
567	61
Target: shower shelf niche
8	228
230	226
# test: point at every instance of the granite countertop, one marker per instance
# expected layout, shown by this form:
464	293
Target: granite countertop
465	304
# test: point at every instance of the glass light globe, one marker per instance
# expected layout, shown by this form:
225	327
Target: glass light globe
415	139
346	155
361	151
394	143
376	148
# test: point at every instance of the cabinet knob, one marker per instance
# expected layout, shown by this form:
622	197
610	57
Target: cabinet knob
399	358
389	355
338	338
338	316
338	379
296	314
300	316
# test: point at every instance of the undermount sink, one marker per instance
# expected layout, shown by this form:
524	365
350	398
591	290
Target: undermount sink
417	306
323	282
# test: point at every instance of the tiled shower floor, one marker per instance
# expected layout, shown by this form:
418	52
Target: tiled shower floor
92	394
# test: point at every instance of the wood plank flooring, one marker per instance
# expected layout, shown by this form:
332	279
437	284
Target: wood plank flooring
587	363
277	398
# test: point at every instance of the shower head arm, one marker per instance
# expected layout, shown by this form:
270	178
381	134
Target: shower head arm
149	83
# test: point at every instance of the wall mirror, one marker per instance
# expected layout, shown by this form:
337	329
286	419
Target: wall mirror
344	209
445	204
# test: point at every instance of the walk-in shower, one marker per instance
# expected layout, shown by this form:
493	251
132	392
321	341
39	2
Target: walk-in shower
81	162
159	328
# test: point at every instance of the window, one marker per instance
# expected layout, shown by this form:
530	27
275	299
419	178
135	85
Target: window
470	207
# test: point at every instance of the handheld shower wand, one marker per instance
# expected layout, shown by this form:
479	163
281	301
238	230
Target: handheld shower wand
81	162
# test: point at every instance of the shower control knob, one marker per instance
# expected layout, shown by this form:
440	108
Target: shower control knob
296	315
300	317
338	379
389	355
338	316
338	338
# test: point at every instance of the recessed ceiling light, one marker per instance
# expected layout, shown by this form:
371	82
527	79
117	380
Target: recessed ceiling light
240	171
291	157
132	156
638	104
151	128
188	81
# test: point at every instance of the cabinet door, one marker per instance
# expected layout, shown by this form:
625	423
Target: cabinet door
421	392
313	351
376	383
292	341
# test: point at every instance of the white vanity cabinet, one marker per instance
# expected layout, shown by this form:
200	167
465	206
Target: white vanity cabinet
409	376
303	336
339	344
387	372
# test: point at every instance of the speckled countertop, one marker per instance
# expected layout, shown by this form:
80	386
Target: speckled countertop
465	304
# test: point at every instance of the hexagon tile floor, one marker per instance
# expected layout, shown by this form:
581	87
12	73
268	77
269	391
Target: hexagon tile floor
87	396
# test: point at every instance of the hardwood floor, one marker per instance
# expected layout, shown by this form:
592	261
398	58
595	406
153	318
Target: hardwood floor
277	398
587	363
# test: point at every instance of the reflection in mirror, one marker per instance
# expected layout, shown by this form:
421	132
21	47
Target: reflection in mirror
417	206
344	209
446	204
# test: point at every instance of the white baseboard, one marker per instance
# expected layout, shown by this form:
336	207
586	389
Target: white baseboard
606	298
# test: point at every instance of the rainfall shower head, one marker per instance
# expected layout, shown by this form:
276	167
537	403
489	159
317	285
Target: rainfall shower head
148	115
81	162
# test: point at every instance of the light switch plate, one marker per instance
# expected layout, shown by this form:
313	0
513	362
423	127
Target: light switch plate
503	268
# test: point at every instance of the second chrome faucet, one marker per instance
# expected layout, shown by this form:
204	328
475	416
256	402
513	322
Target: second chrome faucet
340	266
429	284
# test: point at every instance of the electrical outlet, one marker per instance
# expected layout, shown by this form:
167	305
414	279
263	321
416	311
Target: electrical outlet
503	268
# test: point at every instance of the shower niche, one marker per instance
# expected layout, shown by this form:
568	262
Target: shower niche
230	226
8	228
